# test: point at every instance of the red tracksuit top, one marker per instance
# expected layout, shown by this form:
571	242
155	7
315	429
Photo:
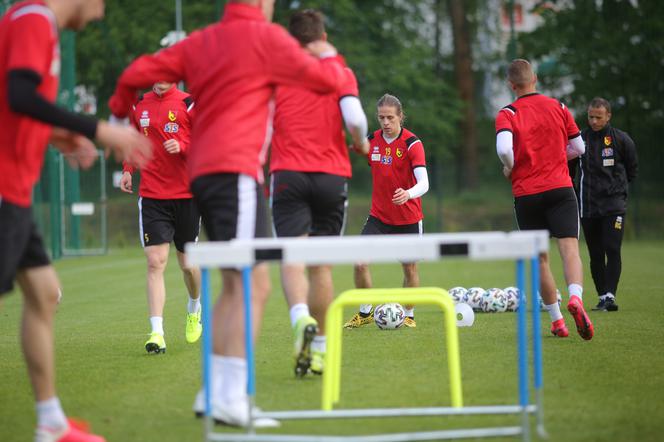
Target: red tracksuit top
231	69
161	118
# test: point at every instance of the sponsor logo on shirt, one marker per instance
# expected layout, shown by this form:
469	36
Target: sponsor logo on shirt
145	119
172	115
607	140
608	152
386	160
376	149
171	128
375	156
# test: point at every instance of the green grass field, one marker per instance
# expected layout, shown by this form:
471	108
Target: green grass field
609	389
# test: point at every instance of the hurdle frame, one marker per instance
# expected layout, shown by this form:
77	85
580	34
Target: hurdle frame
477	246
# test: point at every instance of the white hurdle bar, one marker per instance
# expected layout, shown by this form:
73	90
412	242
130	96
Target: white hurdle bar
476	246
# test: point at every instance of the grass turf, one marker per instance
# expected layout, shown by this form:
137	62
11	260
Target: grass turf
608	389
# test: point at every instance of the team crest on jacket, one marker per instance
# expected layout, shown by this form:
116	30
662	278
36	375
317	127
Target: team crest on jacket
399	153
607	140
172	116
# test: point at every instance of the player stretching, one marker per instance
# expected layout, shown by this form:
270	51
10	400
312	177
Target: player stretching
232	68
309	166
535	136
398	168
29	75
166	207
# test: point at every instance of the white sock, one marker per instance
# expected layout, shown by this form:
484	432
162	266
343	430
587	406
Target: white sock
216	370
157	323
554	311
607	295
365	309
575	290
234	375
297	311
194	305
319	344
410	312
50	414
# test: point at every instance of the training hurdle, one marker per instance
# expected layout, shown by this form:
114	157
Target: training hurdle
243	254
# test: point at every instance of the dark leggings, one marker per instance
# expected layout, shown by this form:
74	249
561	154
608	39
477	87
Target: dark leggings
604	237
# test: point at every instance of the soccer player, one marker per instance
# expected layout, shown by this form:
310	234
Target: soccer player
309	168
29	74
607	167
398	167
232	68
166	207
535	137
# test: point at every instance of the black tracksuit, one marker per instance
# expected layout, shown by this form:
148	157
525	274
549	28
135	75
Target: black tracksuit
608	165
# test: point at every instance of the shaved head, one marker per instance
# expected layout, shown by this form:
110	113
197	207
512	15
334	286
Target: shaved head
520	73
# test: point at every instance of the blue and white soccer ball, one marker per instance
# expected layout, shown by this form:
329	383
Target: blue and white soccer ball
458	294
512	295
494	301
474	298
389	316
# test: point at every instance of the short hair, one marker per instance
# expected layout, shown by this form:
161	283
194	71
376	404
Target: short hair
520	72
600	102
306	26
390	100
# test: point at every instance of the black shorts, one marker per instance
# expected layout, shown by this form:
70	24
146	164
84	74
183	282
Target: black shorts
305	203
163	221
374	226
555	210
232	206
21	245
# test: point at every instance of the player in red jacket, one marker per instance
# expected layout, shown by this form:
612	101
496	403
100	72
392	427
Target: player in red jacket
29	75
167	211
535	137
398	168
232	69
309	169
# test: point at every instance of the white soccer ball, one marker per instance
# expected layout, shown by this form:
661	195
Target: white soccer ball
458	294
389	316
512	295
494	301
474	298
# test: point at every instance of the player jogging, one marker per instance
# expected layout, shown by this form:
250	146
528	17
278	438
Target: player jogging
29	75
398	167
232	68
535	137
309	168
167	211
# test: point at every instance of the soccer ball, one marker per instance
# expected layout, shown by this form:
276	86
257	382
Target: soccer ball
474	298
389	316
512	295
494	301
542	307
458	294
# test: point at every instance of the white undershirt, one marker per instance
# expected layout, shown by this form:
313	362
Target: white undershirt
422	185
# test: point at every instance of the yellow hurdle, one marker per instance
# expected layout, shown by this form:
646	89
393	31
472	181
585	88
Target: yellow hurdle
415	296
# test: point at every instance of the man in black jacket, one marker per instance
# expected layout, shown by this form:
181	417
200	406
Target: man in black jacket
608	165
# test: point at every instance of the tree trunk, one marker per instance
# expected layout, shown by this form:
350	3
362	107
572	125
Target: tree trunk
463	71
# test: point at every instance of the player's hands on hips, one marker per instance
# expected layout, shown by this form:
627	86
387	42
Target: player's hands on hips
126	143
400	196
321	48
78	150
125	182
172	146
507	172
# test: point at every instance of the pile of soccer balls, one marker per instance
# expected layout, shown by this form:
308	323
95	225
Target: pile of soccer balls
493	300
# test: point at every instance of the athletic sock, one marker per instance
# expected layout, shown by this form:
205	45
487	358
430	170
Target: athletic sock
297	311
575	290
319	344
234	375
554	311
365	309
194	305
50	414
410	312
157	323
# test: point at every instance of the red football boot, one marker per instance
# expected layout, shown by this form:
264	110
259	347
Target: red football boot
583	324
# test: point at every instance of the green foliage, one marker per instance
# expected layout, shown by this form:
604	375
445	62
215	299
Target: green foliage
610	388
